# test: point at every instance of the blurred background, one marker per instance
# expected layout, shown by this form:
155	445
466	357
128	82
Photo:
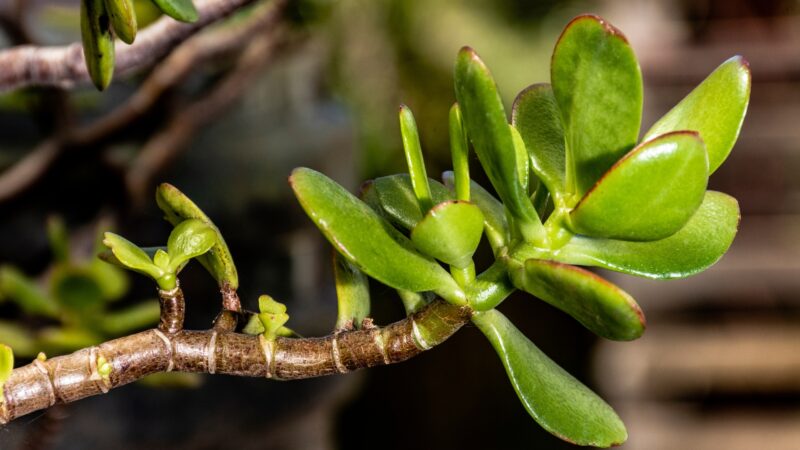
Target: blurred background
317	84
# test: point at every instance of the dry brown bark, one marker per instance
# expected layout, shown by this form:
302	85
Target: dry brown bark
68	378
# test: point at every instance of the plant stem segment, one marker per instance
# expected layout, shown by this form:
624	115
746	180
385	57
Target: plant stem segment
68	378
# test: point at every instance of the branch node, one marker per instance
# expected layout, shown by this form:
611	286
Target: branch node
268	348
212	353
377	338
170	350
51	387
418	338
337	359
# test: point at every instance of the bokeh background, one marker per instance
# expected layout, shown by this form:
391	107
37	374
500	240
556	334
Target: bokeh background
719	366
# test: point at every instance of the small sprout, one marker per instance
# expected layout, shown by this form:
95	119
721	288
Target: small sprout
41	357
272	316
6	367
103	368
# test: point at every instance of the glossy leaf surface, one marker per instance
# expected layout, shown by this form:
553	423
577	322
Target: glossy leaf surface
649	194
398	201
715	109
189	239
367	240
495	222
131	256
98	42
536	116
599	305
182	10
598	86
561	404
487	128
695	247
450	232
178	207
352	293
123	19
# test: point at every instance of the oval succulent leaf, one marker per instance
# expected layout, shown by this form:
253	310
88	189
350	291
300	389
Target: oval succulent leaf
715	109
98	42
487	128
367	240
535	114
123	19
352	293
398	201
189	239
599	305
131	256
182	10
649	194
6	367
695	247
495	222
598	86
561	404
218	261
450	232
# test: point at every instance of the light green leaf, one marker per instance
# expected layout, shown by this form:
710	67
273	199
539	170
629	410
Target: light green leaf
495	222
698	245
367	240
649	194
561	404
398	201
535	114
487	128
450	232
6	367
715	109
416	164
182	10
189	239
56	340
26	293
98	42
598	86
131	256
352	293
596	303
123	19
218	261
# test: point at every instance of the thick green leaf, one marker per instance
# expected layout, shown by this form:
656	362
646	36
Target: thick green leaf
98	42
352	293
182	10
649	194
26	293
561	404
487	128
218	261
398	201
450	232
535	114
414	159
459	150
367	240
599	305
490	288
598	86
715	109
495	222
6	367
189	239
131	256
123	19
698	245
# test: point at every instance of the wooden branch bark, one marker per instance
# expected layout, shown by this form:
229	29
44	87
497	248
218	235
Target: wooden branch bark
64	66
68	378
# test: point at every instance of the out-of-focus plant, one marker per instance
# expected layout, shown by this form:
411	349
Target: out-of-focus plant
73	305
576	187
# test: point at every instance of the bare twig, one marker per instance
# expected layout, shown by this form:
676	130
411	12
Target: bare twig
65	379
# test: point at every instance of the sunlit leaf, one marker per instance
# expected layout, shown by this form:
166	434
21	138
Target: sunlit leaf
596	303
131	256
6	367
715	109
649	194
189	239
561	404
598	86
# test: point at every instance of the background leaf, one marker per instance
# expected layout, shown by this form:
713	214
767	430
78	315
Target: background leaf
650	193
561	404
715	109
598	86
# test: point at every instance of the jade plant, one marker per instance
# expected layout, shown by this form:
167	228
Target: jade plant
575	187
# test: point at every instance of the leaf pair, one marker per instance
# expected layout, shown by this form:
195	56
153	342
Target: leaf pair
189	239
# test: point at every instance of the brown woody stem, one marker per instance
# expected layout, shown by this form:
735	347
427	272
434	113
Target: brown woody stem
64	379
173	310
